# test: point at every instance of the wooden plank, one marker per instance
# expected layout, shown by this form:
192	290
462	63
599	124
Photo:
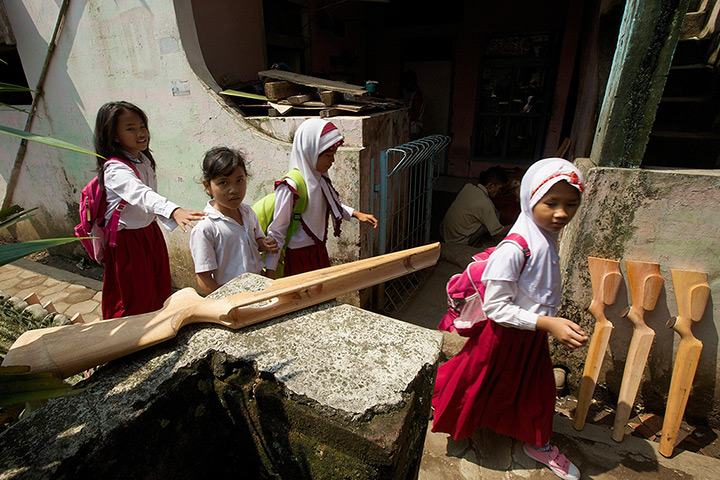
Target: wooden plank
330	98
313	82
70	349
282	109
302	99
331	112
280	90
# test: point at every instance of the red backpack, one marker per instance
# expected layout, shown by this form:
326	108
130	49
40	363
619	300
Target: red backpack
93	206
466	292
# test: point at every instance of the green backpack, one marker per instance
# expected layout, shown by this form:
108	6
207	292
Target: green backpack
265	208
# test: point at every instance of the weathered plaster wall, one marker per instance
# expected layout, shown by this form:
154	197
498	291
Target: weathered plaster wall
147	52
233	48
669	217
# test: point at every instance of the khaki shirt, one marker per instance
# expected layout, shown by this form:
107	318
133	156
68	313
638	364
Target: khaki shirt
471	210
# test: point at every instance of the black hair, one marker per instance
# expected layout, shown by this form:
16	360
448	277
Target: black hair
219	160
106	130
494	175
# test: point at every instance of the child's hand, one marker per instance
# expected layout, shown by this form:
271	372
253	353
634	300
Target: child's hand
365	218
565	331
268	244
184	218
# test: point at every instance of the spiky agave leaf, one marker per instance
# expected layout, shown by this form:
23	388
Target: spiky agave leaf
12	215
14	251
18	386
53	142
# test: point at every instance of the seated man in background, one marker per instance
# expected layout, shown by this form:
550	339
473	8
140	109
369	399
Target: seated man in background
472	219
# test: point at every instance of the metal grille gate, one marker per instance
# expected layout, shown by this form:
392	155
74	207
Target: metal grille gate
403	206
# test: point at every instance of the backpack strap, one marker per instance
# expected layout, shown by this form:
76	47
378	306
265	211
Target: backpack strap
112	225
518	240
300	199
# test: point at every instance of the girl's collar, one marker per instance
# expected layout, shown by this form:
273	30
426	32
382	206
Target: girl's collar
133	158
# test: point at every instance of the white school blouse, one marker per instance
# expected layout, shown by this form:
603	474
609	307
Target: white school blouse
281	221
144	203
221	245
504	302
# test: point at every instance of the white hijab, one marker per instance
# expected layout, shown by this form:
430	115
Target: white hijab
540	279
313	137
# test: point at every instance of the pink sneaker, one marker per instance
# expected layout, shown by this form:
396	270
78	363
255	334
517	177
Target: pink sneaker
556	461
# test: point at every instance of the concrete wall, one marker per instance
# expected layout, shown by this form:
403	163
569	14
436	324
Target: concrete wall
668	217
230	34
147	52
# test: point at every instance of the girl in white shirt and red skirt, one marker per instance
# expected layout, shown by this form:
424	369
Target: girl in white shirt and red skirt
137	270
313	153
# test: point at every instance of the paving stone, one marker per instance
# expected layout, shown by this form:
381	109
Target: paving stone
10	283
56	297
75	288
55	288
98	297
61	307
8	272
79	296
24	274
26	291
35	283
50	282
83	308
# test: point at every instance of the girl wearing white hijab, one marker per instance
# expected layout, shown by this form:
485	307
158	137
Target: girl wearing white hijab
502	379
313	153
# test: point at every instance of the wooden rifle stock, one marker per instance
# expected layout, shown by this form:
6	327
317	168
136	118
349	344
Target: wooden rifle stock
645	284
691	292
606	278
70	349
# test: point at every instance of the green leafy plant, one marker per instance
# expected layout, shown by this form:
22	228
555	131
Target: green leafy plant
20	390
14	251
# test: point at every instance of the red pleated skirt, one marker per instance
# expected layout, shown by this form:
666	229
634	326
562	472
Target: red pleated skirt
137	273
502	379
306	259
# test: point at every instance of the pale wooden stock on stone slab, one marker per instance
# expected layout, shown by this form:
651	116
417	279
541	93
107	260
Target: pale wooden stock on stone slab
645	284
691	292
606	278
70	349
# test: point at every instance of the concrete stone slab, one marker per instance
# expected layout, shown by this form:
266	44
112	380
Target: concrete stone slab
354	361
332	368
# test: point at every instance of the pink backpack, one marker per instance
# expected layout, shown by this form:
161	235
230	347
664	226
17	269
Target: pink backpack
466	292
93	205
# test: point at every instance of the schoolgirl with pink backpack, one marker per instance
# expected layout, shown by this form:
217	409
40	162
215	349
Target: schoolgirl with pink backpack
121	207
502	379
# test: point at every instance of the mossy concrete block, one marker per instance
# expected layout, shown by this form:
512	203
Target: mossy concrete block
332	391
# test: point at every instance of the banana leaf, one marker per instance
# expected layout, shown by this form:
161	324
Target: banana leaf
53	142
17	386
14	251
